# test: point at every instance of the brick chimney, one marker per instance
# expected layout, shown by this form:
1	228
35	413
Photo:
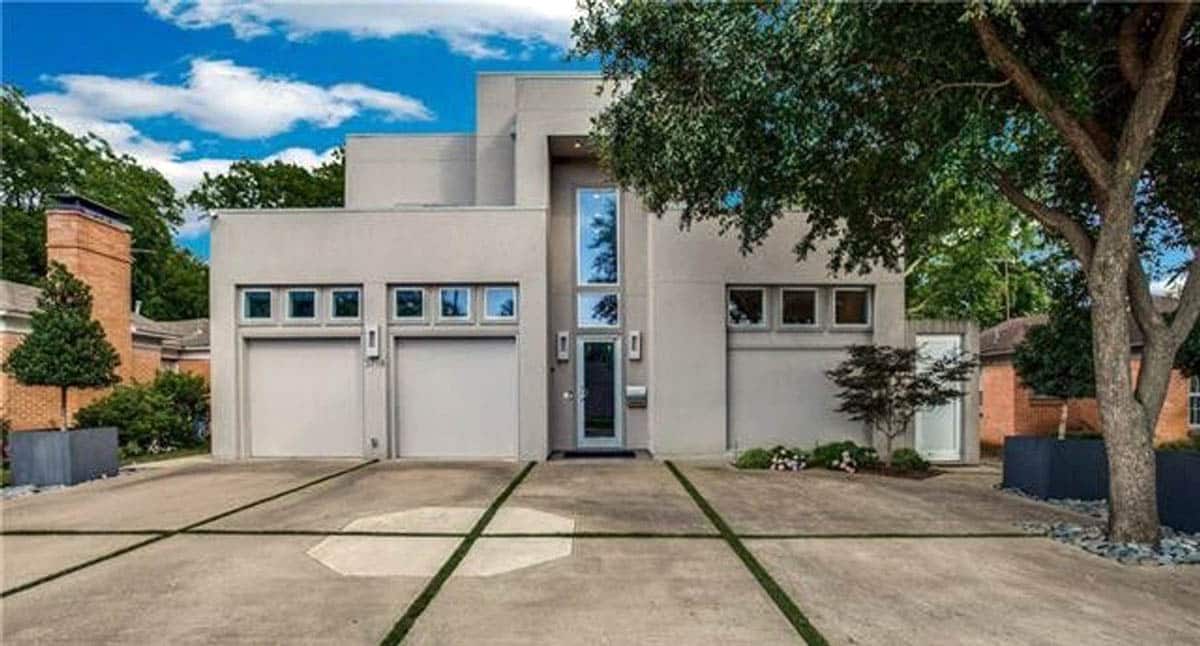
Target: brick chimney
94	243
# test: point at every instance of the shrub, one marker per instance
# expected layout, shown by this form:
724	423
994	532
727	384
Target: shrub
754	459
844	456
154	417
908	460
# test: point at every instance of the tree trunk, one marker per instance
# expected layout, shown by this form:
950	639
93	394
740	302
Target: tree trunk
887	446
63	407
1133	507
1062	419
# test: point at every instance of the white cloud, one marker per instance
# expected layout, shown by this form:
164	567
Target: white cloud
470	27
222	97
304	157
165	156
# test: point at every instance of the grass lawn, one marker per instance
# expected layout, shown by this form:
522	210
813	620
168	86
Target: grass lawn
166	455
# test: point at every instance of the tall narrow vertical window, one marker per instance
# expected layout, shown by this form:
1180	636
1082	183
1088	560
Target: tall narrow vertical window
597	249
1194	403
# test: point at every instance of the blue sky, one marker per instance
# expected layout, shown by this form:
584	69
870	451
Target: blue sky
188	86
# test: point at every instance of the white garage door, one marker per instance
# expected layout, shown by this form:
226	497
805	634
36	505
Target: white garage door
782	396
457	397
304	397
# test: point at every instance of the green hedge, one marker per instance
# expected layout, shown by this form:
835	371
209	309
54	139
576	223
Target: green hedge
168	413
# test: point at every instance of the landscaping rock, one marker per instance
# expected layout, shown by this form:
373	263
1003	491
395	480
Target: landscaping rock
1176	548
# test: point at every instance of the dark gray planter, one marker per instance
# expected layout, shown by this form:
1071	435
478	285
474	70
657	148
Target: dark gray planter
1047	467
1179	490
44	458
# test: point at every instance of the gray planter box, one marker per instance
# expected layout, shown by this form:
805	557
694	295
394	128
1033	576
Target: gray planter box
44	458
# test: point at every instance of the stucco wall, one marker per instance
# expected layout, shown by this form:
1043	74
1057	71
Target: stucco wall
375	249
689	343
386	171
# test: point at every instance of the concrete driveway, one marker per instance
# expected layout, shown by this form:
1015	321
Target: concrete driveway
561	553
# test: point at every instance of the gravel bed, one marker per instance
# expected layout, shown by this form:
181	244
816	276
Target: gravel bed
1176	548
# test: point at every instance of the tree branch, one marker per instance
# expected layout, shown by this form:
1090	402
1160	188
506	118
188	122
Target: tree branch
1039	97
1156	89
1141	301
989	85
1188	312
1075	235
1129	54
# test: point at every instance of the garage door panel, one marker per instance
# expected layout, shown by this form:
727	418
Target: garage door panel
782	396
304	397
456	397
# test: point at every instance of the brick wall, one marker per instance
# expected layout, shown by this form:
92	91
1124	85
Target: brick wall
98	253
196	367
1010	408
147	360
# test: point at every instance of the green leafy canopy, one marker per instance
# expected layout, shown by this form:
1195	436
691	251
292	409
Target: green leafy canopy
882	121
65	346
41	159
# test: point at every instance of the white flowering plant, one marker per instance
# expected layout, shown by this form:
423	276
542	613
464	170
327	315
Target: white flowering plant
785	459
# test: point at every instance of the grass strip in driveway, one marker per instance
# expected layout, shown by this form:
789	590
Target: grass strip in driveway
885	535
790	610
84	532
168	534
418	605
588	535
322	532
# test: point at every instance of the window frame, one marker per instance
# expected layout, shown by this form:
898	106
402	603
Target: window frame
333	291
245	305
579	191
816	324
870	308
763	324
467	318
1194	403
579	295
287	305
515	299
394	308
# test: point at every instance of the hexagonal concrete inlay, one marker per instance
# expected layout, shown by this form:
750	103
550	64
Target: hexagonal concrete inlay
423	555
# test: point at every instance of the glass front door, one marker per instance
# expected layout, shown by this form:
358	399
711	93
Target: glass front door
598	392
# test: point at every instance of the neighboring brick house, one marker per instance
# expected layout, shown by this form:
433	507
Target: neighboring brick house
93	242
1011	408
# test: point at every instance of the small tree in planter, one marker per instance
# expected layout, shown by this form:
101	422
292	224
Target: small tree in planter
1055	359
885	386
65	348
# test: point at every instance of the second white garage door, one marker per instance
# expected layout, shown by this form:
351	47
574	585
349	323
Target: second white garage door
456	397
304	397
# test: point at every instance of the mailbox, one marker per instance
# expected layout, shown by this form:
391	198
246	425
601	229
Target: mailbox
635	396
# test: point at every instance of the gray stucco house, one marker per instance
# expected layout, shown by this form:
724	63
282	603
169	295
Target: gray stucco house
493	295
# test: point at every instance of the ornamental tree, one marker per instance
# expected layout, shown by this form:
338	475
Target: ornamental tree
879	120
65	347
1055	359
884	387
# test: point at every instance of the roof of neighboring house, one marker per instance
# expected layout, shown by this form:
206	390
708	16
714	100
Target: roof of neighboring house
1002	340
189	333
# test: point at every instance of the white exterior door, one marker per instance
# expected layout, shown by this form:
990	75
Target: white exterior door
598	392
304	397
456	398
939	431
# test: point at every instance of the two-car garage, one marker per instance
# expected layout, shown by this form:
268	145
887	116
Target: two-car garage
448	397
